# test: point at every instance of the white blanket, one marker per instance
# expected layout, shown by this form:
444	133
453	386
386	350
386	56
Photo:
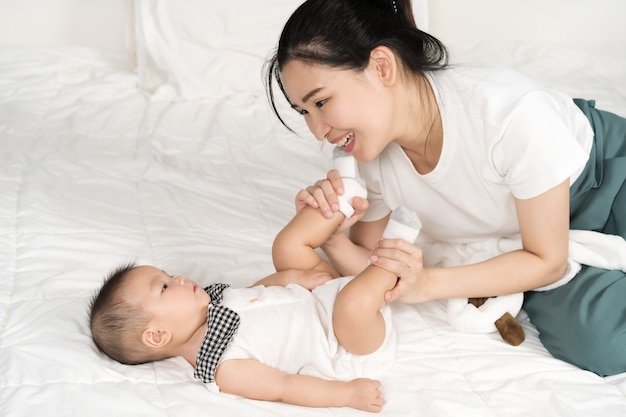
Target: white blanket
94	174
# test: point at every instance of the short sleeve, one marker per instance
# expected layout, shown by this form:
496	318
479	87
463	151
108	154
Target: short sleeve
539	148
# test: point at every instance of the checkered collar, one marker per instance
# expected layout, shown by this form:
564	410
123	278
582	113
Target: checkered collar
222	323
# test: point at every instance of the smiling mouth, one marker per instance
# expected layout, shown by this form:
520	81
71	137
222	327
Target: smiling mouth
345	141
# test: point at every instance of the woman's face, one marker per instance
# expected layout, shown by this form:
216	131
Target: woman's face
347	108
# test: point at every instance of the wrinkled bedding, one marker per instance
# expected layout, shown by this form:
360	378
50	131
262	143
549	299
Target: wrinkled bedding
93	173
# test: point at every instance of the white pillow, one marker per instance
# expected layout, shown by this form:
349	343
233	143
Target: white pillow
189	49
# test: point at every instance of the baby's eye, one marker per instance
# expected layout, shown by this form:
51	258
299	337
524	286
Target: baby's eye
164	288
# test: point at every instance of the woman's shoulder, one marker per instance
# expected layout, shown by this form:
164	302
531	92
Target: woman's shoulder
483	72
482	79
494	92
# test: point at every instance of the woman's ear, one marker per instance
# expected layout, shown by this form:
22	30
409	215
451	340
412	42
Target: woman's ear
384	62
156	338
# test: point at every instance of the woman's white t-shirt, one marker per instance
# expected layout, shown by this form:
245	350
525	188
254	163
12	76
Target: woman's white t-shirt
504	137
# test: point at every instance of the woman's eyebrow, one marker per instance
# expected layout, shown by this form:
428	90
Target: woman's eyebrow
311	94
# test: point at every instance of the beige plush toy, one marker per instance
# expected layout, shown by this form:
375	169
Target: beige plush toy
507	325
487	315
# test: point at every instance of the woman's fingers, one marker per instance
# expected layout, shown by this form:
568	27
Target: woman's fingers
323	194
405	261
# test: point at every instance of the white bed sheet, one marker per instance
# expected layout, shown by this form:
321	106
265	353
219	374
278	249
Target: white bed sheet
94	174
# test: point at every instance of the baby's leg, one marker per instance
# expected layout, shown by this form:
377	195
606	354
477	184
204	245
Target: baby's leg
358	322
294	247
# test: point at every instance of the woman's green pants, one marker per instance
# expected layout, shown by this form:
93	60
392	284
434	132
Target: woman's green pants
584	321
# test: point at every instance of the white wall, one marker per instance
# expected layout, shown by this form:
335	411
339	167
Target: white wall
99	23
108	23
582	22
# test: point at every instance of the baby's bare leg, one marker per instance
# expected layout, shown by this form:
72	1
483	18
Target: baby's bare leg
294	246
358	322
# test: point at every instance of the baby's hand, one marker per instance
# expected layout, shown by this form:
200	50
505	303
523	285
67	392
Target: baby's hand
309	279
366	395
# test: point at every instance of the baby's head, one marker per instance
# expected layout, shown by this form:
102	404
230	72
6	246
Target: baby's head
116	323
142	314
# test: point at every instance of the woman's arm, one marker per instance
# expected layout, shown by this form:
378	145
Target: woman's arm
252	379
544	228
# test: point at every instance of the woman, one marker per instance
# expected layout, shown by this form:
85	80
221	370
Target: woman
477	152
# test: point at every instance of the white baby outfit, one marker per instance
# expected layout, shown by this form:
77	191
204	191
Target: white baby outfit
290	328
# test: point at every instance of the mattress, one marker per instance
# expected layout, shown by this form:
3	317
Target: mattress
96	172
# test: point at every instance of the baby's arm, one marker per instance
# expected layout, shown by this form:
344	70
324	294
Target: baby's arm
252	379
307	278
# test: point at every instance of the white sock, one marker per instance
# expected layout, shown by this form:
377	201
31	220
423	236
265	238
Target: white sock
403	224
353	185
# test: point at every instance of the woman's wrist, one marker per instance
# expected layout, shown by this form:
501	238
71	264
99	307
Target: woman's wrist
419	289
429	289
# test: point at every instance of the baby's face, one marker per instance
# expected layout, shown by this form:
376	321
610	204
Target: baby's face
175	303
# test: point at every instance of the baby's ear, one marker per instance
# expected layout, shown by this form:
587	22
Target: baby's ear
156	338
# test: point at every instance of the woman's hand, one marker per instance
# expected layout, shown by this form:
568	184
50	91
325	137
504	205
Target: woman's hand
324	195
405	260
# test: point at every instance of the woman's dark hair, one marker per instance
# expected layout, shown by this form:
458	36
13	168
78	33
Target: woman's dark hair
342	33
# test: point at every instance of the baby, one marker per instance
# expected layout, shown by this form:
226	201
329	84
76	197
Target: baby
295	336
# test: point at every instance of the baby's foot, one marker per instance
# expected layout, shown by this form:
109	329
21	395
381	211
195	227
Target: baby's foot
353	185
403	224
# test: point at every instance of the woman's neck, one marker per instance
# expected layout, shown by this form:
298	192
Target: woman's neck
423	141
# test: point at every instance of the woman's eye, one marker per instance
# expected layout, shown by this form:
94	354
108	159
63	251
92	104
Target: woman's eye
320	103
302	112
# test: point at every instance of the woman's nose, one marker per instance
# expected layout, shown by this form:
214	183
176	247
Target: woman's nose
318	127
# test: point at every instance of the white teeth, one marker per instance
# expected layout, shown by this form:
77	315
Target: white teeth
343	142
